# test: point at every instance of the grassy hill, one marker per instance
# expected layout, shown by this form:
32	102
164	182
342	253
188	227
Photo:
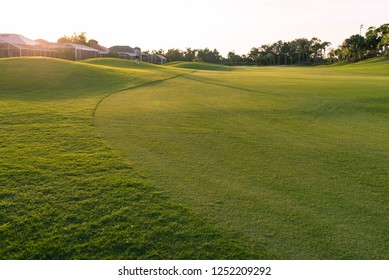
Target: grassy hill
106	159
376	66
66	194
122	63
200	66
294	158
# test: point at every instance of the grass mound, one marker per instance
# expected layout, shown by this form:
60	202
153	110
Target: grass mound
45	78
376	66
66	194
104	160
200	66
122	63
294	158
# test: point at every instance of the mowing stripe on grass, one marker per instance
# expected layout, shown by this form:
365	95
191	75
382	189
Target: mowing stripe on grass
135	87
298	171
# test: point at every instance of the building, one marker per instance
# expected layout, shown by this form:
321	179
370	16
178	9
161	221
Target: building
156	58
76	52
103	51
12	45
126	52
122	49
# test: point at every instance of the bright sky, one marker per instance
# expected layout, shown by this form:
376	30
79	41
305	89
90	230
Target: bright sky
225	25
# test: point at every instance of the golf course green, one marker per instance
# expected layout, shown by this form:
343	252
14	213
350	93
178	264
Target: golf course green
107	159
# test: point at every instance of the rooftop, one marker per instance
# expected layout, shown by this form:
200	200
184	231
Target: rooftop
17	39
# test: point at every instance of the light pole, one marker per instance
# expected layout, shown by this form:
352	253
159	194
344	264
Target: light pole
360	30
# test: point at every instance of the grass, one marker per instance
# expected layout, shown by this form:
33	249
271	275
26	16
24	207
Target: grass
294	158
106	159
200	66
65	194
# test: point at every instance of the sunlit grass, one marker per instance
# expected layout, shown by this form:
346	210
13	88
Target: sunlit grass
106	159
294	158
65	194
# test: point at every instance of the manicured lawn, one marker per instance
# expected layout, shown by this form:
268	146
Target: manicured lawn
66	194
106	159
293	159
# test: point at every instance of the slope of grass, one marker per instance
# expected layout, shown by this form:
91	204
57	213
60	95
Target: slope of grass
375	66
66	194
200	66
294	158
122	63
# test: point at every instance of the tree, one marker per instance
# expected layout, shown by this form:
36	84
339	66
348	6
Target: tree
235	59
75	39
286	51
384	43
206	55
299	52
300	48
382	33
254	56
159	52
270	58
92	42
42	41
174	55
315	49
355	47
276	50
267	54
324	46
331	55
372	42
190	55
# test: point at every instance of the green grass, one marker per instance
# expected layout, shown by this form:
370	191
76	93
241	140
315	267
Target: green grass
121	63
200	66
294	158
65	194
377	66
106	159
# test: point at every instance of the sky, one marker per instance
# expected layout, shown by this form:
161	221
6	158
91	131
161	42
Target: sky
222	24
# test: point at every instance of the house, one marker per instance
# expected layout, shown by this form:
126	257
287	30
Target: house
122	49
75	51
126	52
123	52
12	45
156	58
103	51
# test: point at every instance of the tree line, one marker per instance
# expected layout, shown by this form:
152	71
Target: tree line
357	47
375	43
301	51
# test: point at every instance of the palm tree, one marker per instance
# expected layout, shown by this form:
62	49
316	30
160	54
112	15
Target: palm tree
385	44
356	47
323	47
299	51
315	48
301	47
372	41
285	49
276	49
346	50
332	55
